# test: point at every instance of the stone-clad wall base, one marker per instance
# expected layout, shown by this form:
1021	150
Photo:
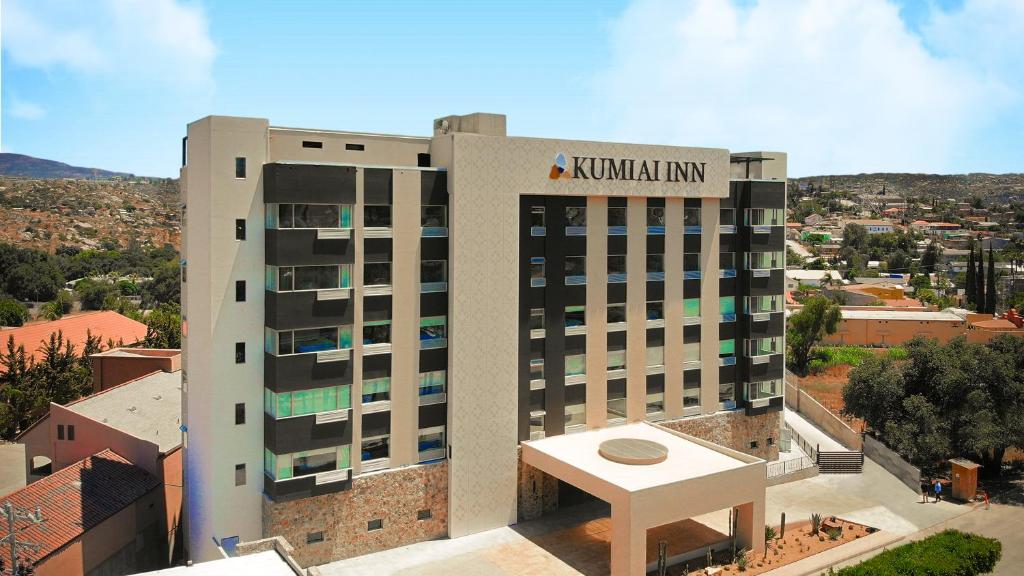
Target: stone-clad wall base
393	496
537	491
735	430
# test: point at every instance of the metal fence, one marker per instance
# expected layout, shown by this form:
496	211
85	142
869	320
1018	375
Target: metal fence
805	446
783	467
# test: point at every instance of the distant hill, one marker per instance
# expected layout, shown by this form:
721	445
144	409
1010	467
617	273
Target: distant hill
998	187
30	167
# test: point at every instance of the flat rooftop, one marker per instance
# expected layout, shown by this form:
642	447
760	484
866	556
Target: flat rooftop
686	459
148	407
900	315
267	563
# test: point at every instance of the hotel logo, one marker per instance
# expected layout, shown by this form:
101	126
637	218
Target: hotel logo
594	168
558	169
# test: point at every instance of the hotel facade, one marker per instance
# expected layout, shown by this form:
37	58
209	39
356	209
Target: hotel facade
375	323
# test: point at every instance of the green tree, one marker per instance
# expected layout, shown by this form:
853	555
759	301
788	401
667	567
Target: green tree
62	376
855	236
990	296
12	312
970	280
165	288
163	327
94	293
875	391
979	277
930	257
38	281
819	317
18	390
919	434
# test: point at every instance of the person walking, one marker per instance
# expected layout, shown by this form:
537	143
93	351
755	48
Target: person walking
938	491
925	485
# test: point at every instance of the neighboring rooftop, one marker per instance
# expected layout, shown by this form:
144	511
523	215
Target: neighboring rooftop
79	497
148	408
267	563
106	324
869	314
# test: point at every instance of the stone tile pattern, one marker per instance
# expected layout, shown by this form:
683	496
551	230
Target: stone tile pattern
734	430
393	496
537	492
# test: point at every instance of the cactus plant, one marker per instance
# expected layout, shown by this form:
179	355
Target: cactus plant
815	523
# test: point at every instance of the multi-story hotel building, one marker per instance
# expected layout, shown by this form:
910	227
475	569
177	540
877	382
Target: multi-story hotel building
374	323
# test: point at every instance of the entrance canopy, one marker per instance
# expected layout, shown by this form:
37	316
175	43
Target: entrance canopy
653	476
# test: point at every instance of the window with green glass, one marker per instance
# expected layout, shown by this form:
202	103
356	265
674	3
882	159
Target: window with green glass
432	382
303	402
298	464
727	347
691	308
346	216
575	364
376	390
727	304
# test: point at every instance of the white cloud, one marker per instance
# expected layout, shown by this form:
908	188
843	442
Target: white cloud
165	41
841	85
23	109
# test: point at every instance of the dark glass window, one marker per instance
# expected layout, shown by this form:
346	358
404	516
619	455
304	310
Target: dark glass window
575	216
616	264
433	271
691	262
377	274
575	266
71	431
60	431
537	216
239	413
239	167
239	229
616	216
616	313
656	216
314	537
375	448
239	352
377	334
377	216
239	290
434	216
655	262
314	463
374	525
312	144
239	474
424	515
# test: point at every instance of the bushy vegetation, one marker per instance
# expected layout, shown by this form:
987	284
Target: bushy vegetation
825	357
960	399
948	553
818	318
33	275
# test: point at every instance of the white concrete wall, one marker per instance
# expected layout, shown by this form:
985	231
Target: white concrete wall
214	198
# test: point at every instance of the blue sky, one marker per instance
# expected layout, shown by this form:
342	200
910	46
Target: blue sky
842	85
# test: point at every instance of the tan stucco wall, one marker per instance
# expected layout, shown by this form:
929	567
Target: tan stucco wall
858	332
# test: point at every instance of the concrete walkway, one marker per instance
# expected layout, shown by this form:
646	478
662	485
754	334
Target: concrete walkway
811	433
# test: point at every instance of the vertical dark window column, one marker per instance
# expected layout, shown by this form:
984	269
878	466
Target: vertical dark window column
554	318
523	360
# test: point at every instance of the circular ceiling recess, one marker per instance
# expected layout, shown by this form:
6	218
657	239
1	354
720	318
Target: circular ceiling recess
633	451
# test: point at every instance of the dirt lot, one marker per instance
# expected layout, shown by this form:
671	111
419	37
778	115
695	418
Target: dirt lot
827	388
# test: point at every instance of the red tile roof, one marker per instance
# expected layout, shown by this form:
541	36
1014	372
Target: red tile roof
78	498
106	324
